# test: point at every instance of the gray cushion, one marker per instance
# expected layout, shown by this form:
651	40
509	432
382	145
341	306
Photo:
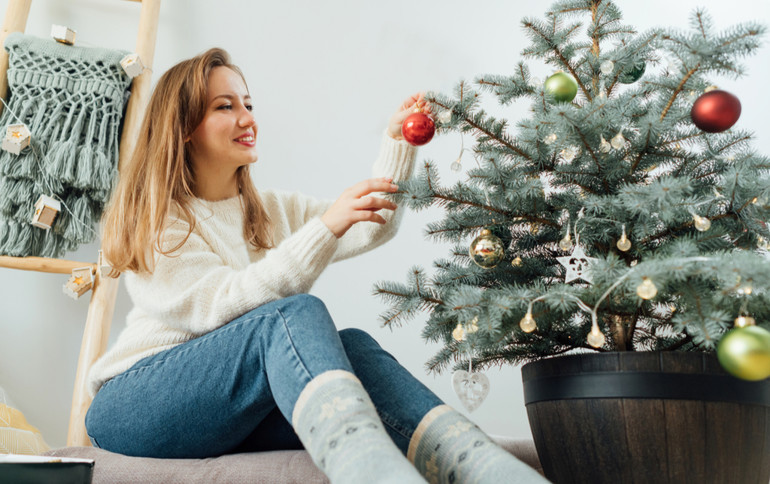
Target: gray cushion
277	467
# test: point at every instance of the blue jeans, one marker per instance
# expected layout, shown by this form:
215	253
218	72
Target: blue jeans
234	389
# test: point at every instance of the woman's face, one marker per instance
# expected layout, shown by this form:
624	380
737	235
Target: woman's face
226	138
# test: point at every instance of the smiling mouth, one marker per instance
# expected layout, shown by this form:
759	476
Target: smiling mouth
245	139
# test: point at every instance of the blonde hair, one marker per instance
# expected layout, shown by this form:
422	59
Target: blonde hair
159	172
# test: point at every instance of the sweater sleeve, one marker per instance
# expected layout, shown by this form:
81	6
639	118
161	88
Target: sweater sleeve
396	160
195	291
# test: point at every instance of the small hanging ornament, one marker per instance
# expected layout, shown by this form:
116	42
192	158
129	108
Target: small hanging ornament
745	352
471	388
486	250
418	128
569	153
647	289
633	73
17	137
605	146
516	262
527	323
702	224
618	141
623	243
458	334
46	209
132	64
566	242
607	67
577	264
562	87
550	139
63	35
596	337
81	280
715	111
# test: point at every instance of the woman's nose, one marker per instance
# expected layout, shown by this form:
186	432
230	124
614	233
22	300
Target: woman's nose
246	119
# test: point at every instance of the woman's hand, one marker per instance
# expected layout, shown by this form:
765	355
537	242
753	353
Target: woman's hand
410	104
357	205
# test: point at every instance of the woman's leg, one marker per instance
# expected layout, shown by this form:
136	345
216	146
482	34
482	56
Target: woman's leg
206	396
444	445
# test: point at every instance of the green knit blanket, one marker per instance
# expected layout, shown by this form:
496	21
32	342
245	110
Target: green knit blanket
72	99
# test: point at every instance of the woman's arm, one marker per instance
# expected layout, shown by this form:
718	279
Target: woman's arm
195	291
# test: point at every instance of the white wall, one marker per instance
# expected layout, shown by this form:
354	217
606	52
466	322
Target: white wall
325	77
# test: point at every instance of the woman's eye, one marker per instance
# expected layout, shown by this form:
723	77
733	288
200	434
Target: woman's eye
225	106
250	107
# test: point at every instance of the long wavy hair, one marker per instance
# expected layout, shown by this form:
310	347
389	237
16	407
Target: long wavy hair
159	173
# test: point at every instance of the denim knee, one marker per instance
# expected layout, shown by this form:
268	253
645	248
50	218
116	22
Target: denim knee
357	338
307	302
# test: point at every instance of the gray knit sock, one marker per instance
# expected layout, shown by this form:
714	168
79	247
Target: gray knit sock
449	448
337	423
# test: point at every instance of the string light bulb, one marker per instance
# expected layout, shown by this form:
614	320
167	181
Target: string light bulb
516	262
618	141
605	146
702	224
566	242
472	327
743	321
624	244
646	290
527	323
746	289
596	338
458	333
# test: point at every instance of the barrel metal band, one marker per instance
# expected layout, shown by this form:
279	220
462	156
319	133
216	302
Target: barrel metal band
669	386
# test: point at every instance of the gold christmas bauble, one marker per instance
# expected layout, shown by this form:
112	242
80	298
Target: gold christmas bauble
745	353
486	250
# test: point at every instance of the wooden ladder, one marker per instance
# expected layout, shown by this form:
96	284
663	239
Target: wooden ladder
105	289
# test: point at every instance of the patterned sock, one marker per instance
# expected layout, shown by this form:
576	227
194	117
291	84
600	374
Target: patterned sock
337	423
449	448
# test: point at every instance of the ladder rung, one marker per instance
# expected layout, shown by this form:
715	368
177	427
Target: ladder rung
43	264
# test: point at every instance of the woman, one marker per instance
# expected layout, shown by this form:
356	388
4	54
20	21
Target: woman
223	352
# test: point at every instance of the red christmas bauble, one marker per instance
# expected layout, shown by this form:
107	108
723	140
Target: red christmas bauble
418	129
715	111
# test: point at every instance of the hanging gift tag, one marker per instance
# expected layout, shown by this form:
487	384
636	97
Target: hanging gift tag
62	34
17	137
46	209
471	388
132	64
81	280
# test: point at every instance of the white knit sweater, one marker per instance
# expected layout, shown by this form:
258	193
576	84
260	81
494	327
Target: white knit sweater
216	276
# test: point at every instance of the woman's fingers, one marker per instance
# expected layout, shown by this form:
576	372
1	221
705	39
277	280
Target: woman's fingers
371	185
373	203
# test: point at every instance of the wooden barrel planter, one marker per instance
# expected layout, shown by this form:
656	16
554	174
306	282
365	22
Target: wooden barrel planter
647	417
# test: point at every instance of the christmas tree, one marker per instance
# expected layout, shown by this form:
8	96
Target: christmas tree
623	215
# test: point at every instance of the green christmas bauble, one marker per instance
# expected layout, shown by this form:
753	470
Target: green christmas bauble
486	250
562	86
632	74
745	352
